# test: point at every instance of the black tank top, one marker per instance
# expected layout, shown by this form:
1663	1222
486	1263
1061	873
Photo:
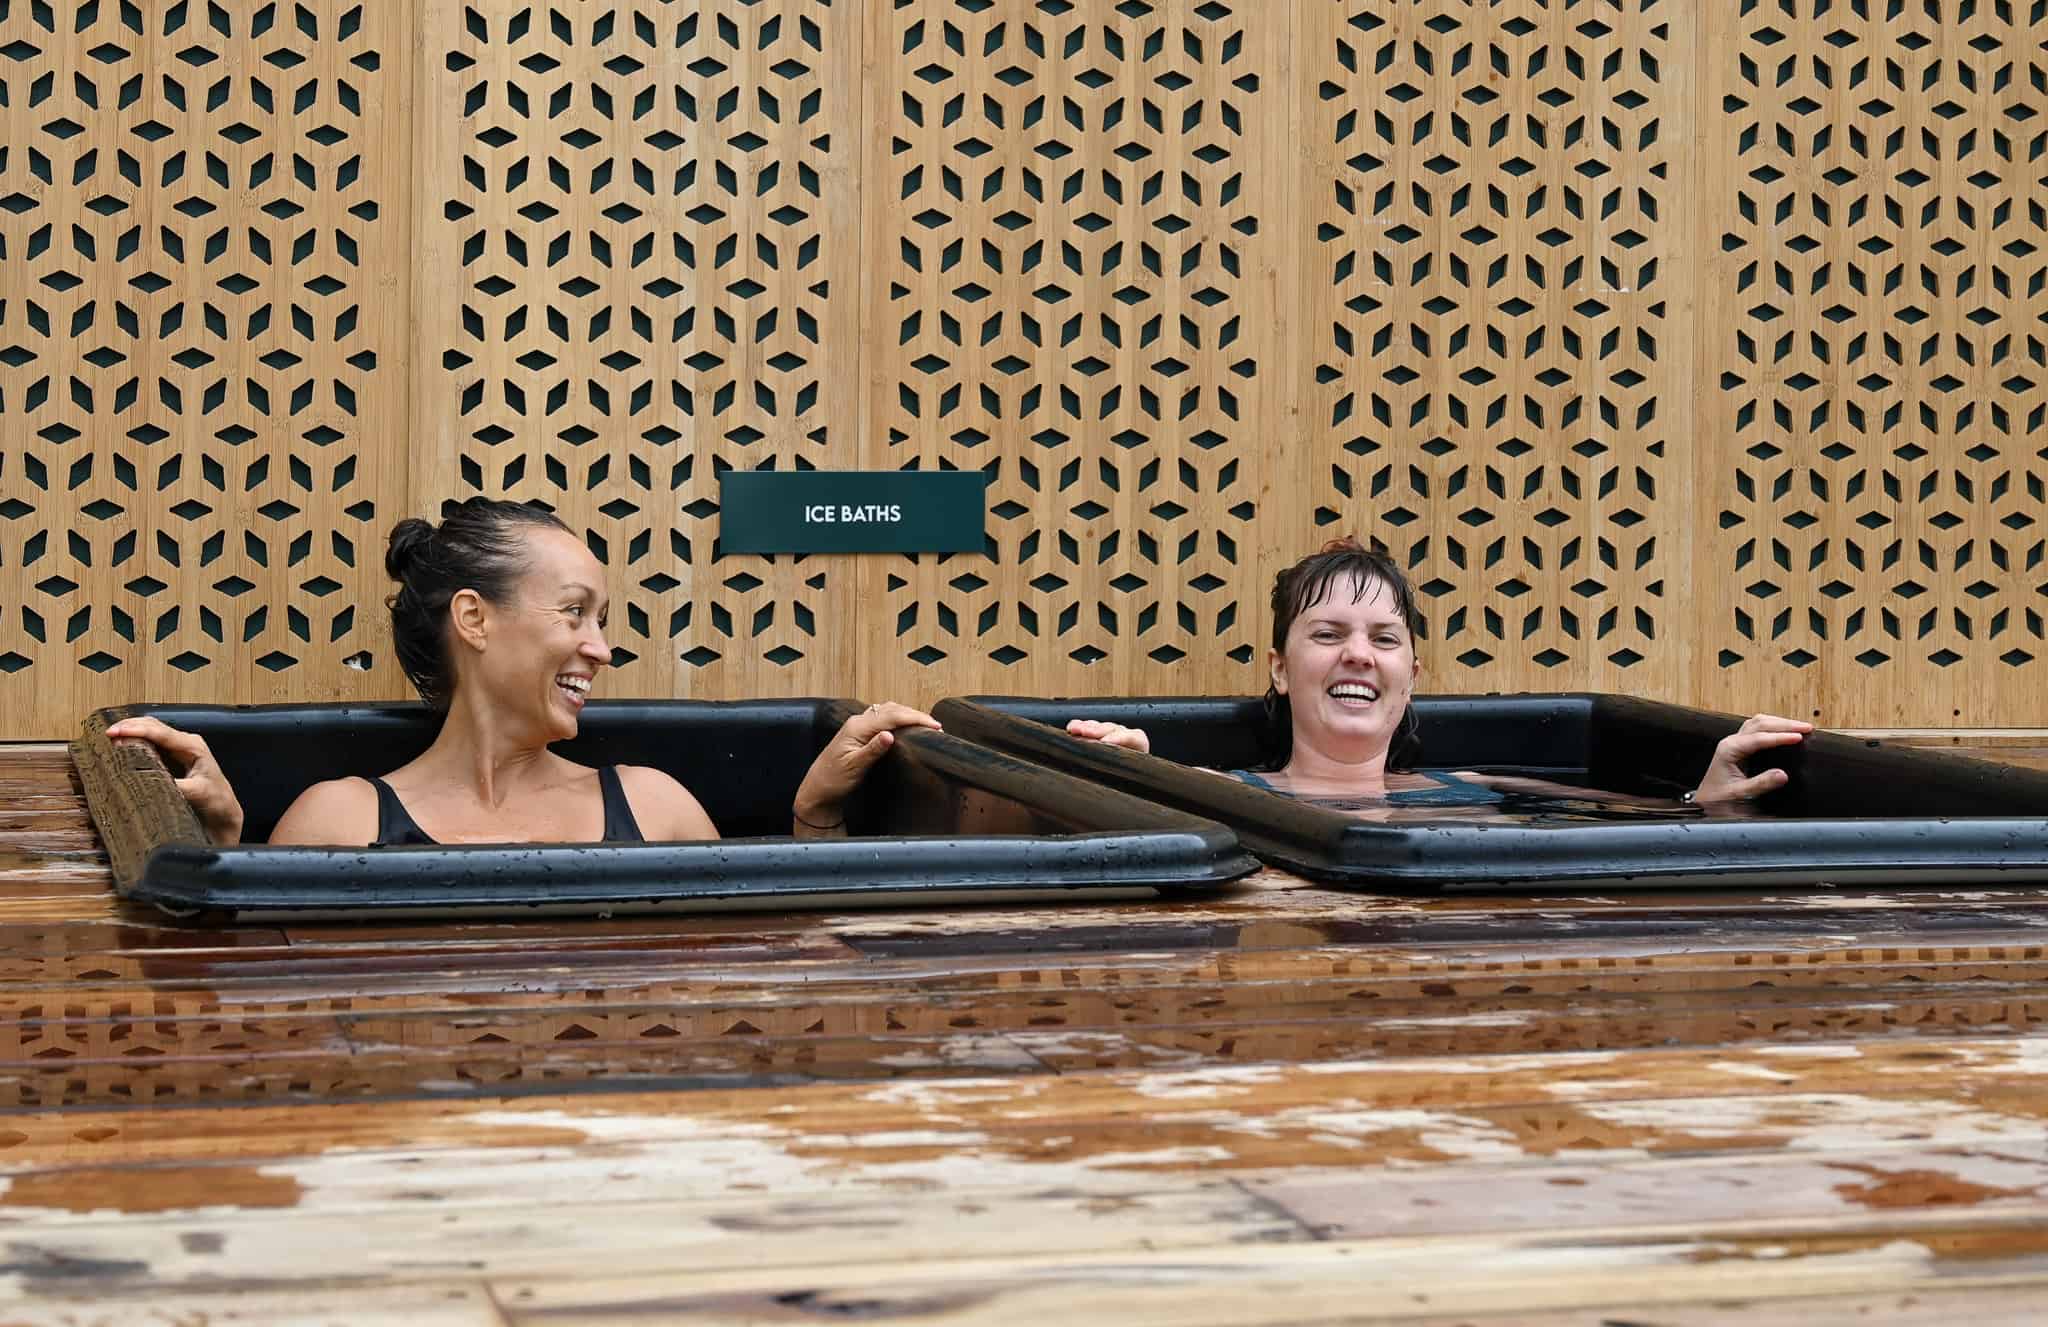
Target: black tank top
396	827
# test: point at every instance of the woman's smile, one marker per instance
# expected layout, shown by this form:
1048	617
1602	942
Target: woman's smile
574	686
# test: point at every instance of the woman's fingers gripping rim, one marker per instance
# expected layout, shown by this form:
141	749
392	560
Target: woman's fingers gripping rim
860	757
891	715
189	748
1749	789
1741	745
1774	723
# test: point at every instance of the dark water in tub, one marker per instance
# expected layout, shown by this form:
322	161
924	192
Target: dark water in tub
1583	805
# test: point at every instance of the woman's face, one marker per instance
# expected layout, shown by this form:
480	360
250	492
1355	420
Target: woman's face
1348	671
541	652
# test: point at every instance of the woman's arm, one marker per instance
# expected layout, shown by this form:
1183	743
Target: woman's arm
1725	781
665	810
336	812
819	808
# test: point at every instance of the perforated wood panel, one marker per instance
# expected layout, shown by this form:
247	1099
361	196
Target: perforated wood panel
203	219
1873	538
1693	351
1066	223
643	222
1497	348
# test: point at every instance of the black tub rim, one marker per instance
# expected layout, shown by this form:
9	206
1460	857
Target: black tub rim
162	857
1999	846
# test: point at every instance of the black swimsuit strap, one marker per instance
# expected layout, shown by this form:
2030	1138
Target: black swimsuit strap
395	825
619	824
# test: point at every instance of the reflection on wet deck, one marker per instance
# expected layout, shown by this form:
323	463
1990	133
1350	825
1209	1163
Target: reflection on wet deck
1694	1108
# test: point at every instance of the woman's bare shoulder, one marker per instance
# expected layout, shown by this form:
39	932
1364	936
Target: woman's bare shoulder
664	808
342	811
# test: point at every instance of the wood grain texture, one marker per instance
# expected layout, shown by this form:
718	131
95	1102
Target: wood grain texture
1683	351
1070	288
206	249
1494	287
1282	1104
644	228
1870	499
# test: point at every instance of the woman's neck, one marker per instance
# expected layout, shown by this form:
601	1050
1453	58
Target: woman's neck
476	752
1312	767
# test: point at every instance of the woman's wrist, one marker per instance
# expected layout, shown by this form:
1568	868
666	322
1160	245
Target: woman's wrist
813	813
224	830
814	819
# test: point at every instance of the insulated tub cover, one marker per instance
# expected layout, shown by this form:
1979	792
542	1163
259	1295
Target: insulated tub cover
1856	812
937	817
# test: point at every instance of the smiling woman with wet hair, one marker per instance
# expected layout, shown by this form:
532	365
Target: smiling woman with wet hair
499	622
1341	678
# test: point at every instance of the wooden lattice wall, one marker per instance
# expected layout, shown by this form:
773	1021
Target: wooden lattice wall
1688	350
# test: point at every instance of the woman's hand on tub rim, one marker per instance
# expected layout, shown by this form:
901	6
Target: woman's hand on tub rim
1110	734
819	807
197	774
1727	781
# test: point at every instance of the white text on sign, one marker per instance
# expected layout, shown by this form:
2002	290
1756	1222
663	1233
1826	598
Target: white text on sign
826	513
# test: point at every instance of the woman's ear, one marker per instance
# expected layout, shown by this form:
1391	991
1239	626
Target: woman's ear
1276	669
471	613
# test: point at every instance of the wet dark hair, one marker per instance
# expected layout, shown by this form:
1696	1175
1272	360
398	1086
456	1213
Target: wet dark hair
1306	584
478	546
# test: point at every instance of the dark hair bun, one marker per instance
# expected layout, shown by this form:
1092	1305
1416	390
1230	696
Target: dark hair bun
409	539
479	546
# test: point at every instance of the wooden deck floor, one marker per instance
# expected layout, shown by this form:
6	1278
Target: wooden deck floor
1284	1105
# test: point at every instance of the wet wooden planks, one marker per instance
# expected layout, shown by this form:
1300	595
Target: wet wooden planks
1249	1195
1281	1104
253	1019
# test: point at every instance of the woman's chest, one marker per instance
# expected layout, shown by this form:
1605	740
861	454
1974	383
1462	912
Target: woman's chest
557	815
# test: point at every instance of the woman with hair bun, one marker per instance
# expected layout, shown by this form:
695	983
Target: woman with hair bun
499	623
1342	670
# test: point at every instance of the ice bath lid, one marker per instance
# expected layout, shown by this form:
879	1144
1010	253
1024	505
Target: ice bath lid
939	818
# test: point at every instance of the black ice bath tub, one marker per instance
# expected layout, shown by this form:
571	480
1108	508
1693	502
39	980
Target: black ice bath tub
940	819
1856	812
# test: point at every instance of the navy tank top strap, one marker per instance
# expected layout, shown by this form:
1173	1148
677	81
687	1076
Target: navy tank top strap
395	825
1251	777
1450	791
619	824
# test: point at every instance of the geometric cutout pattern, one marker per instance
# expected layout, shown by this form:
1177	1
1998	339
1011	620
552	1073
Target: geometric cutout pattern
641	217
202	231
1062	252
1692	351
1880	358
1492	264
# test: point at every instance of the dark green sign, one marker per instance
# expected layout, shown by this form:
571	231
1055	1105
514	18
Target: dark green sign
852	511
